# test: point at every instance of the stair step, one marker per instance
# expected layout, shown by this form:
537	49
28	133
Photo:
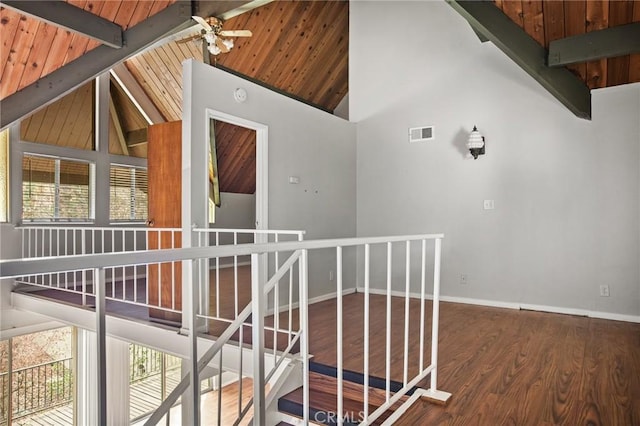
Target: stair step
355	377
323	399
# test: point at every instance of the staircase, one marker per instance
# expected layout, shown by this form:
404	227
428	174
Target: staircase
323	404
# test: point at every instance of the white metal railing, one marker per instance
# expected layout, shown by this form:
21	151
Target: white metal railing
194	259
215	237
140	284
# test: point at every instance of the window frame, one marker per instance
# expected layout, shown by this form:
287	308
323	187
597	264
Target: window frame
56	209
99	157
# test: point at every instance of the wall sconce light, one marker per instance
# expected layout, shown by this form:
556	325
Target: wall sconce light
475	143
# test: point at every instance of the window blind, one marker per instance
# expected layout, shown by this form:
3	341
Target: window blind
55	189
128	187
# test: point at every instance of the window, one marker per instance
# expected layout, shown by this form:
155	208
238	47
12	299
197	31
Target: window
56	189
128	188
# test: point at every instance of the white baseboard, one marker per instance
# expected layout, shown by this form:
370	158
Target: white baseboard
512	305
313	300
212	265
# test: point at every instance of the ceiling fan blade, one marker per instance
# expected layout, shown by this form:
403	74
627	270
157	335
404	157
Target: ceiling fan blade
236	33
202	22
223	47
186	39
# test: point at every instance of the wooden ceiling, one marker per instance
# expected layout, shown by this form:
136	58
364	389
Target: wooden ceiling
68	122
32	49
236	152
547	21
301	48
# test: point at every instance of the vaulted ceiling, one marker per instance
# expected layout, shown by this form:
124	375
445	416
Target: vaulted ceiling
547	21
298	48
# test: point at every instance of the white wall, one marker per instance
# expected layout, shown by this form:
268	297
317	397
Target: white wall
566	190
316	146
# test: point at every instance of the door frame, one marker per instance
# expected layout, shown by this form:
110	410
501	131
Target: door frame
262	161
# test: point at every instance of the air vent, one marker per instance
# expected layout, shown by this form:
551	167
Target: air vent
420	134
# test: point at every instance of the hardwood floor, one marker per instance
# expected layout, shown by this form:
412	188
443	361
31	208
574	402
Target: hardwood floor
503	366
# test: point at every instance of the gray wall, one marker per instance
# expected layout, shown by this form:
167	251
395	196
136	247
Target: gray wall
316	146
236	211
566	190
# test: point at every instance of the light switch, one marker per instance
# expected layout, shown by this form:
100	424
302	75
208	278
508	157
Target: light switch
294	180
489	204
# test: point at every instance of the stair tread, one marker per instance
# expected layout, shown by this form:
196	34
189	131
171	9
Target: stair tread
323	397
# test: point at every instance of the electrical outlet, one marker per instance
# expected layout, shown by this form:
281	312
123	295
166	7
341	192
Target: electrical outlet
463	279
331	275
489	204
604	291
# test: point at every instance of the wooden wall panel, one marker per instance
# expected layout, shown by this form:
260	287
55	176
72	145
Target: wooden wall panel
620	13
553	21
164	284
575	13
514	10
597	19
533	18
67	122
634	60
548	20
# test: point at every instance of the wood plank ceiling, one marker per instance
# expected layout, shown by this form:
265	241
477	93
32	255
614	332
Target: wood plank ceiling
551	20
31	49
300	48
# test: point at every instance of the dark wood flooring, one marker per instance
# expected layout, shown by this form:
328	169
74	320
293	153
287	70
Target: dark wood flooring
502	366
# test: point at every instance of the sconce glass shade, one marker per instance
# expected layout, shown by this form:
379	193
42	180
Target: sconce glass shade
475	144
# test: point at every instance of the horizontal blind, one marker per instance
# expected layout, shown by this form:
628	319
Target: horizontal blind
55	189
128	188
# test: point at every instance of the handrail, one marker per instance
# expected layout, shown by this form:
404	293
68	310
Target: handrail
219	344
143	227
17	268
250	231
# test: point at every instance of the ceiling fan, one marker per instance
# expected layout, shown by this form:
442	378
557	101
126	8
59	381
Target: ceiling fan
213	34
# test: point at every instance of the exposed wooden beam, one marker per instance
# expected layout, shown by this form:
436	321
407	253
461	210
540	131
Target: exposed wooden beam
491	22
72	18
226	9
594	45
136	94
136	137
480	36
93	63
118	125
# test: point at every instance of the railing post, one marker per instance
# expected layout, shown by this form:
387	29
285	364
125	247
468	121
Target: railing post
433	392
257	341
193	266
101	349
339	339
436	314
304	329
